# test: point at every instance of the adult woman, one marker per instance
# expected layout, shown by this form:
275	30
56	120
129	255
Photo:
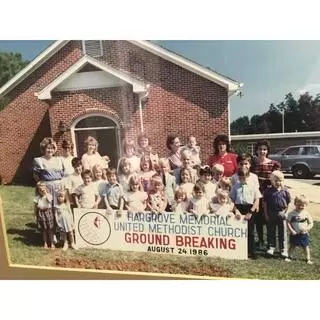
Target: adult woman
92	156
49	168
144	148
66	157
262	166
174	145
222	155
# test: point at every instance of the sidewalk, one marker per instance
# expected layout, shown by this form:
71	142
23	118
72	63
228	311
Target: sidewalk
310	191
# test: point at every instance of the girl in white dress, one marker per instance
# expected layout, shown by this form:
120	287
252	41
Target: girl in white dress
129	149
124	173
199	204
186	184
181	202
157	200
92	156
100	183
135	199
64	219
87	195
146	173
224	206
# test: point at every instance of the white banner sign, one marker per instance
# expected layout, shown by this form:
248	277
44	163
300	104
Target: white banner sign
170	233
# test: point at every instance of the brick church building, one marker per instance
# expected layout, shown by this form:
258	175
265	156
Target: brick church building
110	90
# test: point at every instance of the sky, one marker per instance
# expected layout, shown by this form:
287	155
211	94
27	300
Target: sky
268	69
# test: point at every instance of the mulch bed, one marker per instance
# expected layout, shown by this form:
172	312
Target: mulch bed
142	266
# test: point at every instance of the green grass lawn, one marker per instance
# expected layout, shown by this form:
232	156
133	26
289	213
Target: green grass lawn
25	248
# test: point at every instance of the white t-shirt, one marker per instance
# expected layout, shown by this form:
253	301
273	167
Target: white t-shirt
253	178
72	182
221	210
200	206
87	195
43	202
136	201
300	221
188	188
180	207
210	190
89	161
68	169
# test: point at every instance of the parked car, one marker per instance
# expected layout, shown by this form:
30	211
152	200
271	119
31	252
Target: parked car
302	161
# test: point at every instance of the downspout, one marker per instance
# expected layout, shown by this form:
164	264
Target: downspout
142	96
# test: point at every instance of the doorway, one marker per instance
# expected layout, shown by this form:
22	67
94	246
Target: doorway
104	130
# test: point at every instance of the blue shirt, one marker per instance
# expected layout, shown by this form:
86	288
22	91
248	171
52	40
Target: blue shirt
114	192
244	193
276	200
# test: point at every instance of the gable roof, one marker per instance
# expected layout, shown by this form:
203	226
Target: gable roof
231	85
45	93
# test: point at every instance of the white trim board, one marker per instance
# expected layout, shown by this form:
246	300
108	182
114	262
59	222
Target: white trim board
232	86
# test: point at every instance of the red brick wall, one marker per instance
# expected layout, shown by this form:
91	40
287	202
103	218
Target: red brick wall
179	102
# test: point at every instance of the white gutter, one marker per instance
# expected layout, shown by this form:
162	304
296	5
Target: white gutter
142	96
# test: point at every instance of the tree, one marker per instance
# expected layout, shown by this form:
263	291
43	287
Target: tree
240	126
10	64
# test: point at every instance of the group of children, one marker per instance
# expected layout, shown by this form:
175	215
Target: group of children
190	189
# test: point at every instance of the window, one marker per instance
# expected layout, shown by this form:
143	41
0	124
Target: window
250	148
292	151
92	48
310	151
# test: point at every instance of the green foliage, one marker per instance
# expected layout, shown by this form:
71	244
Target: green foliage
299	115
10	64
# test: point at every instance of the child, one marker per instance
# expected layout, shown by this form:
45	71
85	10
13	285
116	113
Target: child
206	178
223	207
129	149
124	173
246	197
92	156
66	158
87	195
194	150
105	166
181	202
146	172
74	180
299	224
276	200
244	160
199	204
64	220
186	184
157	201
168	180
217	172
44	214
99	183
186	158
135	199
113	194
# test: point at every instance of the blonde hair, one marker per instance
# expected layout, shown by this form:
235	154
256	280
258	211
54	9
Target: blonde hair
91	140
129	143
218	168
122	163
135	180
301	198
156	179
163	161
276	174
222	193
39	185
47	142
180	192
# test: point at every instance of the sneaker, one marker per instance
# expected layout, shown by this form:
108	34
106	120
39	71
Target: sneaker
309	262
270	251
55	241
65	246
288	259
284	254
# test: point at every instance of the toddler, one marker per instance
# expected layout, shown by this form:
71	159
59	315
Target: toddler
209	186
44	215
194	150
64	220
299	224
146	172
181	202
99	182
157	201
186	184
199	204
223	205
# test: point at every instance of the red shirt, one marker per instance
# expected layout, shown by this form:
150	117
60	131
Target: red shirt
229	162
